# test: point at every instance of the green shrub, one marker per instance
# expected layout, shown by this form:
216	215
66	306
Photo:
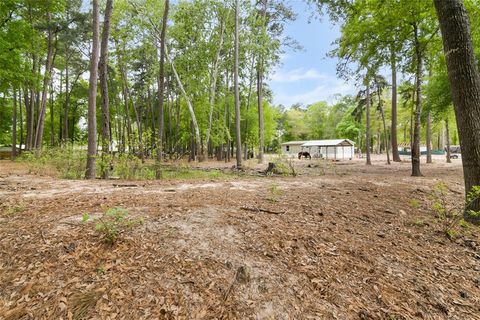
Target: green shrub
14	210
451	216
113	223
65	163
273	193
183	172
284	166
414	203
127	165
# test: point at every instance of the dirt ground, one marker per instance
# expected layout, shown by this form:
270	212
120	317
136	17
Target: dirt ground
339	241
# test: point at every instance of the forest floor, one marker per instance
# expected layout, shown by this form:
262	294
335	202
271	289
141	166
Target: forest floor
339	241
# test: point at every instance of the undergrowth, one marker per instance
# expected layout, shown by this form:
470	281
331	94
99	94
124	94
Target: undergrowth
284	166
66	163
113	223
451	216
71	164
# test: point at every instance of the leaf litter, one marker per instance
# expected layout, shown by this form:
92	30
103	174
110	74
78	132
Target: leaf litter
339	246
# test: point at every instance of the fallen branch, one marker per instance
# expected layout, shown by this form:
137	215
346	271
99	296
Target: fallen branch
261	210
125	185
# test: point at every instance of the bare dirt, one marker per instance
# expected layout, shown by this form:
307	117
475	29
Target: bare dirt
340	241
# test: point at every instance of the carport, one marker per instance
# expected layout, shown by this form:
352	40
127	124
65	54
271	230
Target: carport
335	149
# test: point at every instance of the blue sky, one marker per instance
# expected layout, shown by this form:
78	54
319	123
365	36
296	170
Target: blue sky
308	76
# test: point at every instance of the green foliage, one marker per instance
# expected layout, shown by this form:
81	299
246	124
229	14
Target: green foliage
129	167
321	121
324	166
185	173
66	163
113	223
472	196
451	216
14	210
101	269
273	193
414	203
419	223
284	166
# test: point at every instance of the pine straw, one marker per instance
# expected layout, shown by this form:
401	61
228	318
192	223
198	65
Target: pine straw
344	247
83	303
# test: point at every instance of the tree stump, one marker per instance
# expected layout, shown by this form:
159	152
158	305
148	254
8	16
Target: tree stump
271	167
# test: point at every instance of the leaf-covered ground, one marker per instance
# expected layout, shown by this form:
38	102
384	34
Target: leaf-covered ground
337	242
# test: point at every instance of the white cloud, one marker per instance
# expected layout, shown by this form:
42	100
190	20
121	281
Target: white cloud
324	88
297	75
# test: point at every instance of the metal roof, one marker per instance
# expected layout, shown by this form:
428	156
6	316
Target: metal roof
328	143
293	142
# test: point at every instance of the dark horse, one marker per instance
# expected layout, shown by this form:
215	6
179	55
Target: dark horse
304	154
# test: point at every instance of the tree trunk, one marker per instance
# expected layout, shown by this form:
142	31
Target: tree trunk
418	108
260	115
429	137
46	83
385	132
249	96
60	110
395	154
261	137
161	89
67	94
196	128
29	98
14	125
52	124
103	75
152	115
213	89
464	80
127	122
227	119
92	96
367	127
447	132
236	88
21	118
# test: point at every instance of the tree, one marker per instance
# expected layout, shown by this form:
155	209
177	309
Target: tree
364	101
367	127
464	80
161	89
14	126
103	69
92	94
260	72
236	88
380	83
46	84
418	104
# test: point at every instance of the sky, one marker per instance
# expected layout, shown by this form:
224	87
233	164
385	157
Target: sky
308	76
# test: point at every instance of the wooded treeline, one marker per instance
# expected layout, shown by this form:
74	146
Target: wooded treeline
403	39
166	75
437	45
188	78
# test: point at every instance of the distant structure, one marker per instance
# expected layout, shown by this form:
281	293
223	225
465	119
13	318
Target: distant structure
335	149
405	149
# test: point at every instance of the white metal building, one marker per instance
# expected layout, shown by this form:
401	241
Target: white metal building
292	147
336	149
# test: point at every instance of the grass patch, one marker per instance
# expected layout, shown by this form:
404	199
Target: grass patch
273	193
11	211
185	173
66	163
414	203
71	163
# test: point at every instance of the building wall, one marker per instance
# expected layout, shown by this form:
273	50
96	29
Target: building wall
291	149
333	152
